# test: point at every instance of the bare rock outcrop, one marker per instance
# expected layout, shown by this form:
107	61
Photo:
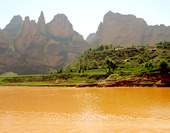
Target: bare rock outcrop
128	30
13	29
4	42
26	37
60	27
90	37
41	24
40	46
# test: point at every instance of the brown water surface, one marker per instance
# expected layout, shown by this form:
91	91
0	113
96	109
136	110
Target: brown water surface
84	110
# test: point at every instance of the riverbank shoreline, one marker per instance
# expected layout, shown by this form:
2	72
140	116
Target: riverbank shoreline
148	80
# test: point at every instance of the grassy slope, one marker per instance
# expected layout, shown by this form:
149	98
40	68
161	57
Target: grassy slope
49	80
129	61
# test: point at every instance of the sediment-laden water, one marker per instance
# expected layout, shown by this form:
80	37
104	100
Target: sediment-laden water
84	110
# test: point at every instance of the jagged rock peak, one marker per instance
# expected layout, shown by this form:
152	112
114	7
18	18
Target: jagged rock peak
26	24
91	36
121	18
41	18
110	14
27	19
60	26
33	21
60	16
41	23
128	29
16	20
29	24
42	14
13	28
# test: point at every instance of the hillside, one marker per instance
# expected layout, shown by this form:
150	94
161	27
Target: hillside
124	65
108	66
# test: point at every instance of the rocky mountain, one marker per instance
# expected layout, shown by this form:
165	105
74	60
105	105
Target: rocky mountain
129	30
30	47
13	29
90	37
4	43
37	47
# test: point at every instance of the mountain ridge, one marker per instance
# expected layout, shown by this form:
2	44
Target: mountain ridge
129	30
30	47
37	47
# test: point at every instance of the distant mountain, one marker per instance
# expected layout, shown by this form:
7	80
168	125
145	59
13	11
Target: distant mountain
129	30
4	43
90	37
27	47
13	29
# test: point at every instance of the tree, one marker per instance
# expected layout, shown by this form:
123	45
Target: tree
106	46
81	68
61	70
52	71
69	69
149	65
162	44
111	46
94	64
164	66
99	48
110	65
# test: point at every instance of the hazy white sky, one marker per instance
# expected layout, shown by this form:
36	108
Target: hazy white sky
85	15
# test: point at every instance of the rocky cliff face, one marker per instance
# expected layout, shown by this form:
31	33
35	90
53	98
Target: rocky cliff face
60	27
41	24
13	29
129	30
27	35
40	46
4	43
90	37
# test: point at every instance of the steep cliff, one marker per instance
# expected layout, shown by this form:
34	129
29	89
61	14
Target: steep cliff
90	37
4	42
40	46
129	30
13	29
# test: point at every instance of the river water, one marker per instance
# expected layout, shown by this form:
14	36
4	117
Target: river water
84	110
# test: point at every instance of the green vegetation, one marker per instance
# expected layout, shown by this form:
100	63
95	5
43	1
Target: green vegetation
9	74
119	61
27	80
163	44
51	79
102	62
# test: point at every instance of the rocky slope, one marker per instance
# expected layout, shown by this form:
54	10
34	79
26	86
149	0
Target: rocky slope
13	29
129	30
90	37
37	47
4	43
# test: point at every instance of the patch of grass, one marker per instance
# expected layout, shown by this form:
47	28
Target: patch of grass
74	81
115	75
28	83
147	82
96	71
37	80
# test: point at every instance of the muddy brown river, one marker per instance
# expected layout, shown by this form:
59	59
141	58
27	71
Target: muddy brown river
84	110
